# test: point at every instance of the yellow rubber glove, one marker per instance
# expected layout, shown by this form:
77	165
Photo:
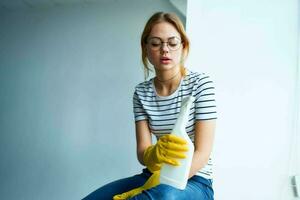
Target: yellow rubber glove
151	182
167	150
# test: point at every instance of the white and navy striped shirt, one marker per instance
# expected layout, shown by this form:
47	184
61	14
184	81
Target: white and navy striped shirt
161	112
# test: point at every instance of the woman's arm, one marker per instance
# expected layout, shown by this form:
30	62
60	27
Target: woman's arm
143	138
203	141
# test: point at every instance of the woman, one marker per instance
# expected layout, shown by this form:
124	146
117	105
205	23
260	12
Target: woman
156	106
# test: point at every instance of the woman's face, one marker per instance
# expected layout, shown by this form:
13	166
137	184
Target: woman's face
167	55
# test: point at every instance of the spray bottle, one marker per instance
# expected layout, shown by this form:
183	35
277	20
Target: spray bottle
177	176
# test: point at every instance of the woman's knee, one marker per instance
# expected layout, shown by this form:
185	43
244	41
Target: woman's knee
163	191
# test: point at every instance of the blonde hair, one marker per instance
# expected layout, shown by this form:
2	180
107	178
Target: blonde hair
176	22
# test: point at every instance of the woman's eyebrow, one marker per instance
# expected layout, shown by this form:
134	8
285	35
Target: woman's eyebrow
162	39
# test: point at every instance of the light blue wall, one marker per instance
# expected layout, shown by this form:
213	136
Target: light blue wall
67	76
250	50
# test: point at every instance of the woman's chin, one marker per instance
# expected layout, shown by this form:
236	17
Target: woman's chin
164	67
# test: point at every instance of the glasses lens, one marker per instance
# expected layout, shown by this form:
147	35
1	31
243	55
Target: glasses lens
154	43
173	43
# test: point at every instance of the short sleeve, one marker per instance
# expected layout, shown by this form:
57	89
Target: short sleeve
205	103
138	110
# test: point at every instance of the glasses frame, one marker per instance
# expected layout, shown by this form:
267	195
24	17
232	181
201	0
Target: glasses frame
162	43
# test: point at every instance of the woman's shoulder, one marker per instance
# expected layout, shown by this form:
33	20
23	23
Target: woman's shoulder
144	86
194	76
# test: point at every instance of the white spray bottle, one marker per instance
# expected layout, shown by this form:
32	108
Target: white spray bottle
177	176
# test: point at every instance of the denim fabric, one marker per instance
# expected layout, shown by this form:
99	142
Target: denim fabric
198	188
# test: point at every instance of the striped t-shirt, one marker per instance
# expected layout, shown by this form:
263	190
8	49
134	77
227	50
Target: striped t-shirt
161	112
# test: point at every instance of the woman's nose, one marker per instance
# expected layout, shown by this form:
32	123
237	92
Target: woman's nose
164	47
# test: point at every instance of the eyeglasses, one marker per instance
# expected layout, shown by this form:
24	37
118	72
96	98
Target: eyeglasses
156	43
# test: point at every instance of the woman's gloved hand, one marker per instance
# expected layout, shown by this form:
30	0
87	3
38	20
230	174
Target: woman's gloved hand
151	182
167	150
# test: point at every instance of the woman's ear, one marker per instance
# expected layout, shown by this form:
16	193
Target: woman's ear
146	51
183	56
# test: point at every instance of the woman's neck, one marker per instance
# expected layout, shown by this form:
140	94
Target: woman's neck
167	83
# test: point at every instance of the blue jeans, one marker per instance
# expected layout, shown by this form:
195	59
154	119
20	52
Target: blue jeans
198	188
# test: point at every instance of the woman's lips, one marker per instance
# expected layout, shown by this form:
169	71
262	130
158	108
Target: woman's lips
165	60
